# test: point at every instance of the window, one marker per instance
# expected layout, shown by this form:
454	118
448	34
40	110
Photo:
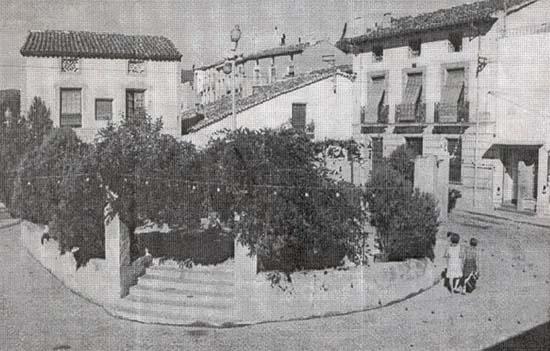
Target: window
291	70
70	65
454	147
135	103
375	98
70	108
136	66
377	150
378	53
103	109
413	89
298	120
415	46
455	42
415	145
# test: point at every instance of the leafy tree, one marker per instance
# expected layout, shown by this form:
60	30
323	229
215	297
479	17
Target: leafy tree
402	160
143	169
289	211
19	135
37	186
406	220
78	219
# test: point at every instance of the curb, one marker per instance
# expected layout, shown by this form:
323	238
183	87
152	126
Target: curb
495	216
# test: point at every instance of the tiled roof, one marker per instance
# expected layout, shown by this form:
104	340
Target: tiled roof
477	12
221	108
99	45
273	52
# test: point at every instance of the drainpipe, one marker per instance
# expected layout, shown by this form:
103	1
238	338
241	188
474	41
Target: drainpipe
477	119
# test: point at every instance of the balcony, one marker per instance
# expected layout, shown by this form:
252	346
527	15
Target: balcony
378	117
451	113
410	113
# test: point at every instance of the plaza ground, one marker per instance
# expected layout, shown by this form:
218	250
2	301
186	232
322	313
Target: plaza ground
39	313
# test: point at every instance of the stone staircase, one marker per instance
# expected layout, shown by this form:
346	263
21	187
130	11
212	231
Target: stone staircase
173	295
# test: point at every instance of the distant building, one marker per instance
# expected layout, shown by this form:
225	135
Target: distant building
88	79
266	67
472	79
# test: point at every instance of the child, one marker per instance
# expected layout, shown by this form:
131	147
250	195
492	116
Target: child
470	267
454	262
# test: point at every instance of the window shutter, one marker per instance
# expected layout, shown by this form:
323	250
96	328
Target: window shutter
103	109
71	107
375	97
413	89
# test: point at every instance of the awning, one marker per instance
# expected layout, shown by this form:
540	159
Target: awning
413	89
453	88
375	94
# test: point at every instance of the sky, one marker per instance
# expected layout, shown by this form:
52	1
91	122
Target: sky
199	29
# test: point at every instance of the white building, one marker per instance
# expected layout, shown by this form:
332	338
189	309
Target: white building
472	77
88	79
319	103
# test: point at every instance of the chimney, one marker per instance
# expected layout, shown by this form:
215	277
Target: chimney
387	20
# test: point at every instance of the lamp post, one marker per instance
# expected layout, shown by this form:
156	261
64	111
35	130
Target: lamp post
230	67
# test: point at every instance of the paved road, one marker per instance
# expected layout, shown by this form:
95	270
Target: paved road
38	313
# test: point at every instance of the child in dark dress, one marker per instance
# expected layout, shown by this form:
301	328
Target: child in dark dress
470	269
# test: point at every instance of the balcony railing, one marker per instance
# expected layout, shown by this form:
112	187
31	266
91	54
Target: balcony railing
452	113
381	115
410	113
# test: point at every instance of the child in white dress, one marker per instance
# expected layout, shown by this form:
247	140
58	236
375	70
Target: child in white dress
454	262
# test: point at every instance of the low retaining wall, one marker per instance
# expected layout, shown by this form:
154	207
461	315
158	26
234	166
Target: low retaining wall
91	281
332	292
309	294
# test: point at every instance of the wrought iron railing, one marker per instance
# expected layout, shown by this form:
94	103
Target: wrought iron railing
452	113
381	117
410	113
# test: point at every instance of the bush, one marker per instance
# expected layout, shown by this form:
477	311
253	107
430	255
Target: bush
78	220
18	135
290	212
37	187
145	168
406	220
402	160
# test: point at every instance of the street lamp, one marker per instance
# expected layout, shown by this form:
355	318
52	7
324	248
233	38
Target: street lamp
228	67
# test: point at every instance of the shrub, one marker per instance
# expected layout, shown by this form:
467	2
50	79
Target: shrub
18	135
402	160
144	169
406	220
78	219
37	187
289	211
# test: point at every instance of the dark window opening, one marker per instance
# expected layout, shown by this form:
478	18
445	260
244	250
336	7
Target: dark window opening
298	120
454	147
455	42
378	53
415	145
415	47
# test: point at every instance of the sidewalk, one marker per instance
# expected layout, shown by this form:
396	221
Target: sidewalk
543	222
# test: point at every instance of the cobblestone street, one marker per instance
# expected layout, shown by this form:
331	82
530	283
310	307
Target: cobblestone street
513	296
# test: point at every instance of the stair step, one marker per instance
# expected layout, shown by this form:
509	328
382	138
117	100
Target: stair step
144	310
202	274
180	297
191	285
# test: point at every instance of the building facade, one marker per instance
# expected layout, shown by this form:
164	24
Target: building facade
90	79
266	67
438	81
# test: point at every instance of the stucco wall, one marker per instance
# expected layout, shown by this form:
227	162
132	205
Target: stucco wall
101	78
331	112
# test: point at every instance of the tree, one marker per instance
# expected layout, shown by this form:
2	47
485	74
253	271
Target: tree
402	160
406	220
19	135
289	211
144	169
78	218
37	186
